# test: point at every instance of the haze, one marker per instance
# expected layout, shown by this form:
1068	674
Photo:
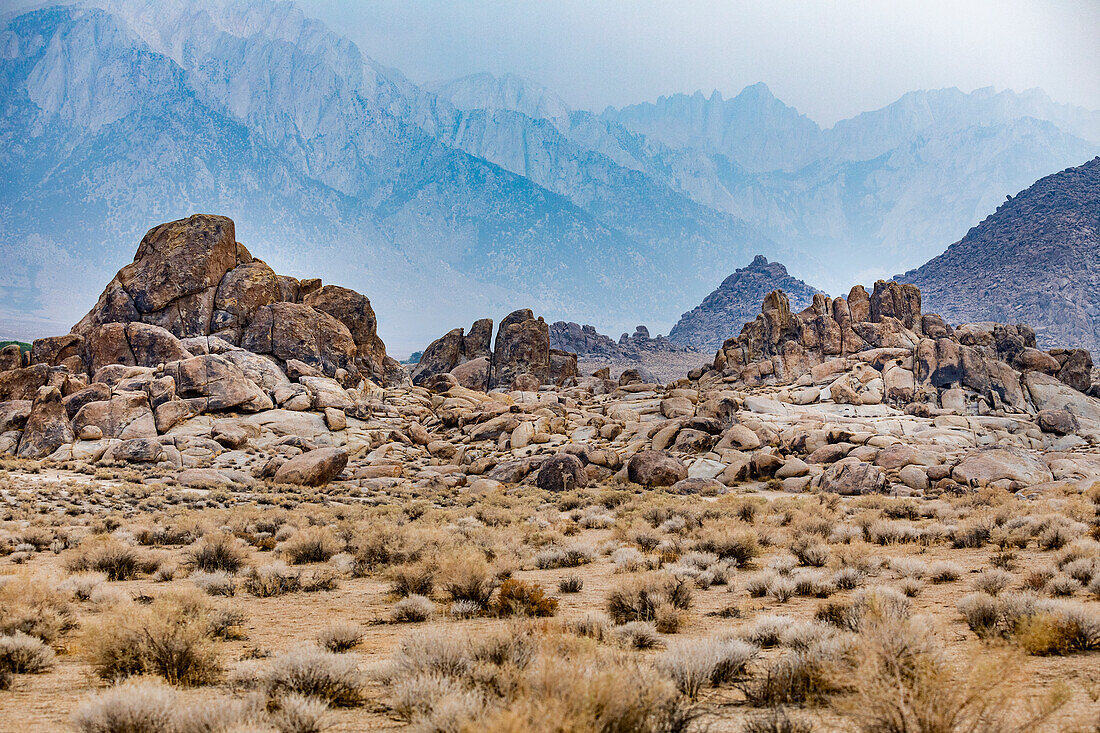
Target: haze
830	60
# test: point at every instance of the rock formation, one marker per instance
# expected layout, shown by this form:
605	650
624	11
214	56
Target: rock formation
522	349
192	278
1036	259
586	341
735	302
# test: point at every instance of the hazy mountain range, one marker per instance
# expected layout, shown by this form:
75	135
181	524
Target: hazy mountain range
468	198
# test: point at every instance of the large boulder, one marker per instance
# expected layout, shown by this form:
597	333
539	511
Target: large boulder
314	468
522	345
173	279
655	468
11	357
473	374
244	290
478	340
295	331
1001	464
48	427
14	414
563	472
216	379
57	350
354	311
125	415
851	477
23	383
1051	393
130	344
441	356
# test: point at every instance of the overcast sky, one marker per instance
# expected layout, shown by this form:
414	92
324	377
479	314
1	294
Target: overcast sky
829	59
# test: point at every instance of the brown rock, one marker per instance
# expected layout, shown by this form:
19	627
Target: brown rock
11	357
473	374
441	356
563	472
222	384
56	349
125	415
47	427
655	468
354	311
1059	422
14	414
315	468
851	477
23	383
894	300
294	331
522	345
244	289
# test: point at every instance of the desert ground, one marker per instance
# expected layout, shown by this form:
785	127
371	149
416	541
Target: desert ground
606	608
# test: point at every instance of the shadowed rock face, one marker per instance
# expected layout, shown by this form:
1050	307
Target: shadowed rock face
734	303
191	278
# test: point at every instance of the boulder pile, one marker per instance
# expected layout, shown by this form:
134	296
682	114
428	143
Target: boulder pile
222	377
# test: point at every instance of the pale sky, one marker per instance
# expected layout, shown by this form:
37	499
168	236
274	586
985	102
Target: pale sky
829	59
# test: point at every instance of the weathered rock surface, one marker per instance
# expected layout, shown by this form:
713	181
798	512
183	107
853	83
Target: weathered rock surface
315	468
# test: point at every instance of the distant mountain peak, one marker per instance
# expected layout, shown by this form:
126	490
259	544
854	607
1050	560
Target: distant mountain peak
508	92
736	302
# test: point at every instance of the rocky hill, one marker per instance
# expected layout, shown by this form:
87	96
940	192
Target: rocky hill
736	302
1036	259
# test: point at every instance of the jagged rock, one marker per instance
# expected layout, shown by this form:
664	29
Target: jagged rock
216	379
241	292
655	468
354	311
1001	464
47	427
130	344
522	345
294	331
173	278
441	356
314	468
563	366
14	414
11	357
563	472
1075	367
23	383
58	350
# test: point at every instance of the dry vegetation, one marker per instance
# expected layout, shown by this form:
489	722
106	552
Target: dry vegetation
132	607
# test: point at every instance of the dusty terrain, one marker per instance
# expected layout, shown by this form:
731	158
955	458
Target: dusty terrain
916	560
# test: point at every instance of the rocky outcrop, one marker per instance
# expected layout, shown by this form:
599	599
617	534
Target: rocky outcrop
521	354
1036	259
191	278
882	348
734	303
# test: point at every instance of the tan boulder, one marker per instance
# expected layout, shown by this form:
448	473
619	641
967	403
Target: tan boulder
313	468
125	415
222	384
47	427
295	331
997	464
655	468
23	383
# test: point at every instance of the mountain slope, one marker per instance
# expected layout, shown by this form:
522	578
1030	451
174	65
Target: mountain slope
736	302
1036	260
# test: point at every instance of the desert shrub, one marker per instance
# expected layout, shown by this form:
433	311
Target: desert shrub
171	638
468	577
341	636
794	678
910	587
879	604
107	555
595	625
294	713
316	673
848	578
20	653
564	557
1062	585
944	572
519	598
628	560
1039	626
412	579
31	605
217	583
971	535
313	544
412	609
668	619
319	579
637	635
214	552
693	664
272	579
570	584
381	545
637	598
782	589
758	585
981	613
767	631
810	552
741	547
992	581
134	706
82	585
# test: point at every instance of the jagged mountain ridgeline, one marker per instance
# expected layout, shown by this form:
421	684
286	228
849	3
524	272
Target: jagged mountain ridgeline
1036	259
117	113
